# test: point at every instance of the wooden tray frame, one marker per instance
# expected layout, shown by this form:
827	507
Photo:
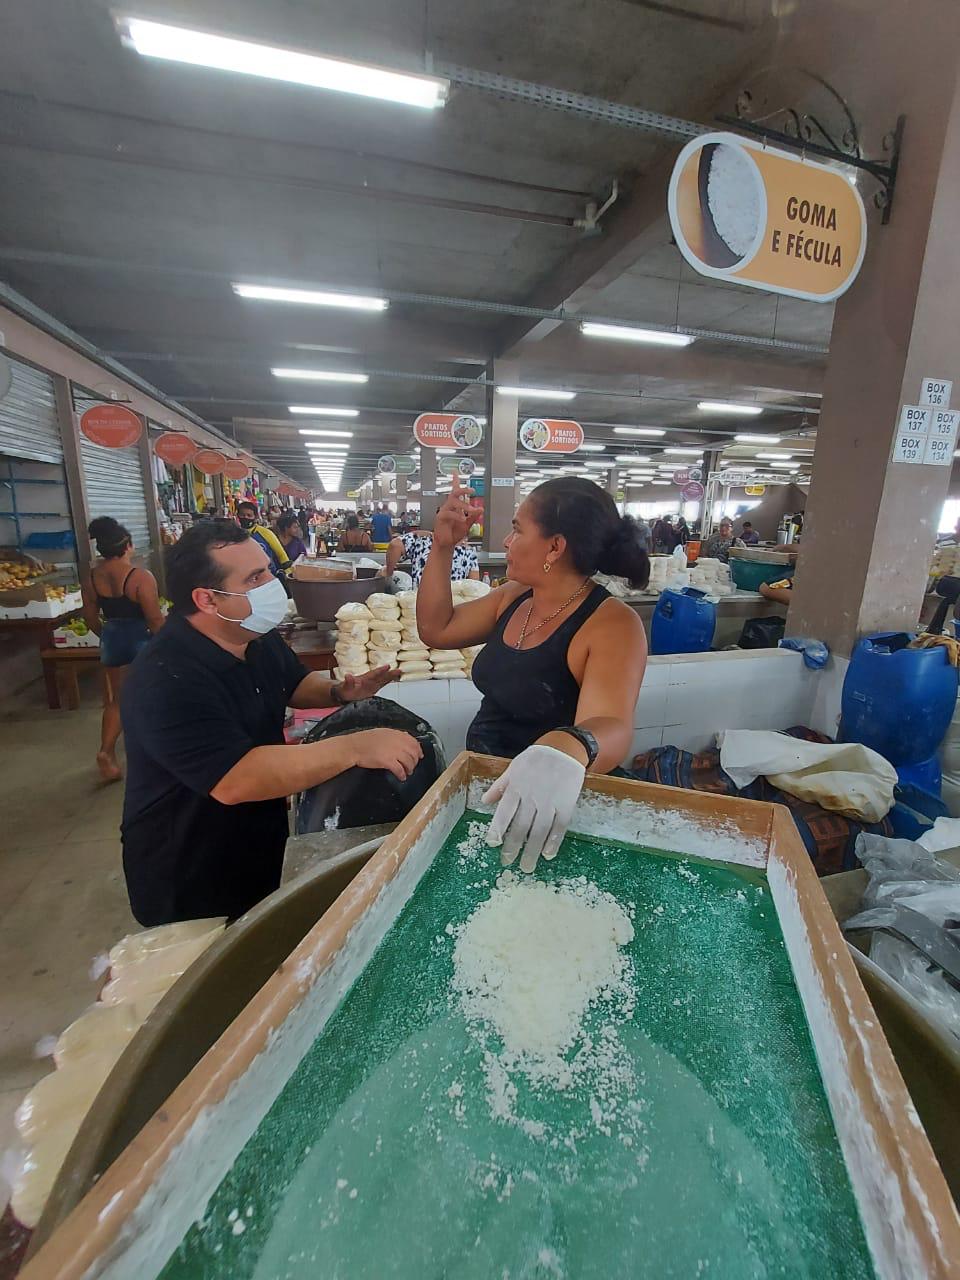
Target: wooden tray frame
911	1223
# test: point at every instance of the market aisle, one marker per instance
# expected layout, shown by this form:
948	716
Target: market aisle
62	897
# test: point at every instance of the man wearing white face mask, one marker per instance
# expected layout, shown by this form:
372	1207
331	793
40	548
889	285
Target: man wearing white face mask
204	815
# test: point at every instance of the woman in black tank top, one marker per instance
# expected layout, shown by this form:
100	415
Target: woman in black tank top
120	604
562	660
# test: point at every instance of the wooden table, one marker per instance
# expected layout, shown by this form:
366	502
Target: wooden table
61	667
314	648
40	632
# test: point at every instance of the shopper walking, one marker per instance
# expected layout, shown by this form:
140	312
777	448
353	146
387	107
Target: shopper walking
381	525
562	660
353	537
122	606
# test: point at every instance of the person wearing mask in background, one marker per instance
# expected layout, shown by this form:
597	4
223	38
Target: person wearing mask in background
120	605
353	537
381	526
562	661
208	773
290	533
248	517
718	545
748	535
415	547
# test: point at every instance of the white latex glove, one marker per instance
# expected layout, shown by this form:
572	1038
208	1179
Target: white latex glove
537	795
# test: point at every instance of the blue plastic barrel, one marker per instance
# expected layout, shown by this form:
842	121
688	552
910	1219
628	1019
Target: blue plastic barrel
683	622
896	700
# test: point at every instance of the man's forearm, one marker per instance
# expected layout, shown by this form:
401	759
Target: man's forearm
265	773
314	690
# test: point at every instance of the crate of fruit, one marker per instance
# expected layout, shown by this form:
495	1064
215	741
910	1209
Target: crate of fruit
75	634
29	588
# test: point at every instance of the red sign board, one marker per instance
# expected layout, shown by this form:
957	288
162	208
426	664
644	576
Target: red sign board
551	435
681	477
174	447
210	461
694	491
447	431
235	469
112	425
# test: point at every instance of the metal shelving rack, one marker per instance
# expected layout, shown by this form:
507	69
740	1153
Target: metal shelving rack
12	482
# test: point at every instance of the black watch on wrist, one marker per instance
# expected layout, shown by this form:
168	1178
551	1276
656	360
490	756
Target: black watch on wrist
585	738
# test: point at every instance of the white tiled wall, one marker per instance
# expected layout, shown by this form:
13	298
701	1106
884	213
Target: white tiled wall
684	701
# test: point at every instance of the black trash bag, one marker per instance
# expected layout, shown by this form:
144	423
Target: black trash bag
762	633
362	797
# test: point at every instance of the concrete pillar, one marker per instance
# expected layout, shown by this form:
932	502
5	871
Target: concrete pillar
613	482
871	523
401	494
500	462
429	499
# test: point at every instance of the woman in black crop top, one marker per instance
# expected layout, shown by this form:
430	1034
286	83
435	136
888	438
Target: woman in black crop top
121	604
562	662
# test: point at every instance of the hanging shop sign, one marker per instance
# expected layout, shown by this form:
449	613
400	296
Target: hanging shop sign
693	492
765	218
396	465
456	466
174	447
112	425
6	376
447	431
755	490
210	461
681	477
551	435
235	469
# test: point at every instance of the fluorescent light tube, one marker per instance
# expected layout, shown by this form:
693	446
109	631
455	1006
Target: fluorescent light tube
325	431
536	393
748	438
247	57
323	411
310	297
638	431
627	333
729	406
319	375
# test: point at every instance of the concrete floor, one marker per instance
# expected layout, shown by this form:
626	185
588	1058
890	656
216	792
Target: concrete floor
62	895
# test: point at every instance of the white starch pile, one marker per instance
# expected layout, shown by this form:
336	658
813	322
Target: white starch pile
530	964
733	194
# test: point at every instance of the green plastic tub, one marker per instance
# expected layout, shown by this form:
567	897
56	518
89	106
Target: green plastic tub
748	574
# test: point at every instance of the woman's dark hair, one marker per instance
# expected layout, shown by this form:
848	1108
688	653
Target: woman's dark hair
287	521
352	521
189	564
111	537
598	538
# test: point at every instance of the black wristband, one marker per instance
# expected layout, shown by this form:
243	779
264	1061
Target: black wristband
585	738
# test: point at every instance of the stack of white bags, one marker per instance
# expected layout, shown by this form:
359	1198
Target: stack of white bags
383	632
712	576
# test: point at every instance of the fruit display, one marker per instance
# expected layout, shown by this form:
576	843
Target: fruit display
20	573
946	560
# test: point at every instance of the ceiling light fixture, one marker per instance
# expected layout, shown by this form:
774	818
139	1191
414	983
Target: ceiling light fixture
536	393
632	457
319	375
592	448
687	453
324	431
323	411
782	456
246	57
747	438
310	297
526	462
639	431
627	333
659	481
729	406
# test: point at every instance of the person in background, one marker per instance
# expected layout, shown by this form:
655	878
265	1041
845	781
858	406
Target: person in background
122	606
290	533
644	534
381	526
274	512
748	535
416	546
665	535
205	810
718	545
562	661
353	537
682	531
248	517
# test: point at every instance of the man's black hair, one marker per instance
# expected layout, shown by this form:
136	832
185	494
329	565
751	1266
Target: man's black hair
189	564
248	506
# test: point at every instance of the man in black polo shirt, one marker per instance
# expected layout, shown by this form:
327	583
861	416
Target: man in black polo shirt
204	816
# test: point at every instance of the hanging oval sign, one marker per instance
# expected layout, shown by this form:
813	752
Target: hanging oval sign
681	477
235	469
693	492
175	447
456	466
210	461
750	213
447	431
755	490
551	435
113	426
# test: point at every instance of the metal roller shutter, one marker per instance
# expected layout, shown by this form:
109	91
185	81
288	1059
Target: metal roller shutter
28	416
114	483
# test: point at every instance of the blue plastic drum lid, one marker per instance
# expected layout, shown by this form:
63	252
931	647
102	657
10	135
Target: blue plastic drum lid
682	623
898	701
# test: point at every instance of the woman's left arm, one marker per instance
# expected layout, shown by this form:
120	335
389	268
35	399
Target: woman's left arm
616	661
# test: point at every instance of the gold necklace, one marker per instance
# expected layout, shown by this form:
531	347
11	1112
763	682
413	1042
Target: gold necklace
533	630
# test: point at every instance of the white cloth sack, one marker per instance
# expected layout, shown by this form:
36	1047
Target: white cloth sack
844	777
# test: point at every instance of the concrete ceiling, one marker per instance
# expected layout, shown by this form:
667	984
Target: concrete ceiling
137	190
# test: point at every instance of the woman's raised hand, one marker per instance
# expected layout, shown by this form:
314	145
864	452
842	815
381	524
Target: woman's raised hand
454	518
